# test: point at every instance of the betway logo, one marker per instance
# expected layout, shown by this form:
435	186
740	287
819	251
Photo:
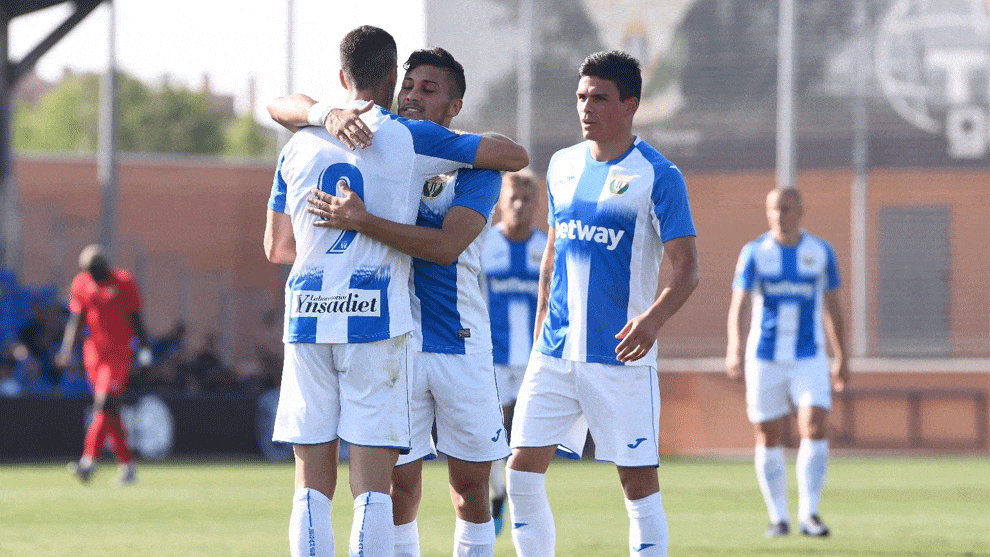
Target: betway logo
788	288
577	230
365	303
513	285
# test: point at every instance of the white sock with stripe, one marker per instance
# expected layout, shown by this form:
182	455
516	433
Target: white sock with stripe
647	527
812	464
310	531
533	531
372	531
771	474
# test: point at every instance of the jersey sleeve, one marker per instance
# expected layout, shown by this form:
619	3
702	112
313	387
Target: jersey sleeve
671	206
478	190
832	279
745	276
276	201
439	150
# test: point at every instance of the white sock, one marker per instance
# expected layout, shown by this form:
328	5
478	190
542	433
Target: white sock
771	473
372	532
533	531
474	540
407	539
310	532
812	463
496	480
647	527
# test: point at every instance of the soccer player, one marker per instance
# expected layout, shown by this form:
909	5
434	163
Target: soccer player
511	269
454	381
108	299
791	278
616	206
348	347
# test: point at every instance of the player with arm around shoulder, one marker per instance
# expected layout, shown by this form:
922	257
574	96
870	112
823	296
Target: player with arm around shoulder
616	206
790	279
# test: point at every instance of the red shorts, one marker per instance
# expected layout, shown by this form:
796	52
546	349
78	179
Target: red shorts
107	370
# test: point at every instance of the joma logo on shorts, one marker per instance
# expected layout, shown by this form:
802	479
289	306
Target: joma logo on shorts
577	230
365	303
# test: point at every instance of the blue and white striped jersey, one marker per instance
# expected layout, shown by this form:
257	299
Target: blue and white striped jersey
611	220
345	287
511	273
787	284
448	306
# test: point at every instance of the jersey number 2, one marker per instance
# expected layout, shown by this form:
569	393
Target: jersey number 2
328	183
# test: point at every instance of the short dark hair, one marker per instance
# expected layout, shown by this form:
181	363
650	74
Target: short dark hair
367	55
617	67
442	59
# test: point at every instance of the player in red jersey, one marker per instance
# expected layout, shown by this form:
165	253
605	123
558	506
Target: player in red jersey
108	299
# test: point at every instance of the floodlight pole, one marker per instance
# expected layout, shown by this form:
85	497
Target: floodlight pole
785	95
106	153
282	133
524	95
859	195
10	227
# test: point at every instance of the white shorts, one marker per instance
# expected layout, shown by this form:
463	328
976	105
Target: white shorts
356	392
458	391
561	400
509	379
774	389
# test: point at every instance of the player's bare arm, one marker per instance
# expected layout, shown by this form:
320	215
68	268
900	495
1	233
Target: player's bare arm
497	152
835	330
297	111
640	333
280	243
442	246
735	347
68	340
543	292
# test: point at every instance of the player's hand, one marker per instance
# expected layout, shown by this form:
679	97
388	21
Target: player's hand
346	125
840	374
344	212
734	366
638	337
144	357
62	359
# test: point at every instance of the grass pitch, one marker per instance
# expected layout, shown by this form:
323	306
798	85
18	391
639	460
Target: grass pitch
894	506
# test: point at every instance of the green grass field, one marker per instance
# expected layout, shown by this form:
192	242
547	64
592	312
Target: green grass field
894	506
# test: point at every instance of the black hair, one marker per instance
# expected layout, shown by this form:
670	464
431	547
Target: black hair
617	67
442	59
367	55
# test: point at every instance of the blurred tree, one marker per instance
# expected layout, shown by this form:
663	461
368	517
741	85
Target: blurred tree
164	120
245	137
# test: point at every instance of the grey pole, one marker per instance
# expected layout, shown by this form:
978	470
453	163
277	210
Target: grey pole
524	94
859	196
284	134
785	95
10	229
106	154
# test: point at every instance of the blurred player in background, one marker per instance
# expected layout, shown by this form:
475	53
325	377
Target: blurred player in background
792	279
454	381
511	269
109	301
616	205
431	88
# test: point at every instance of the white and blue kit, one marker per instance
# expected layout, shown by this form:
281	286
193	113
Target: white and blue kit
786	359
511	272
454	380
610	221
348	291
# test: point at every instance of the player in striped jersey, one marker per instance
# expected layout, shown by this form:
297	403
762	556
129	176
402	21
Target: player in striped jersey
616	205
454	381
791	278
511	277
348	315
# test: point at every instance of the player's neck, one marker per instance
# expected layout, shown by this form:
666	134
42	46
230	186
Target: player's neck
517	233
788	239
608	149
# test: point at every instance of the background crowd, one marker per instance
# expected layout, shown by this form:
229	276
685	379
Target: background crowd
27	366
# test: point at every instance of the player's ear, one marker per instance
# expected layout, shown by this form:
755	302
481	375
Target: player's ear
455	108
343	82
632	104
